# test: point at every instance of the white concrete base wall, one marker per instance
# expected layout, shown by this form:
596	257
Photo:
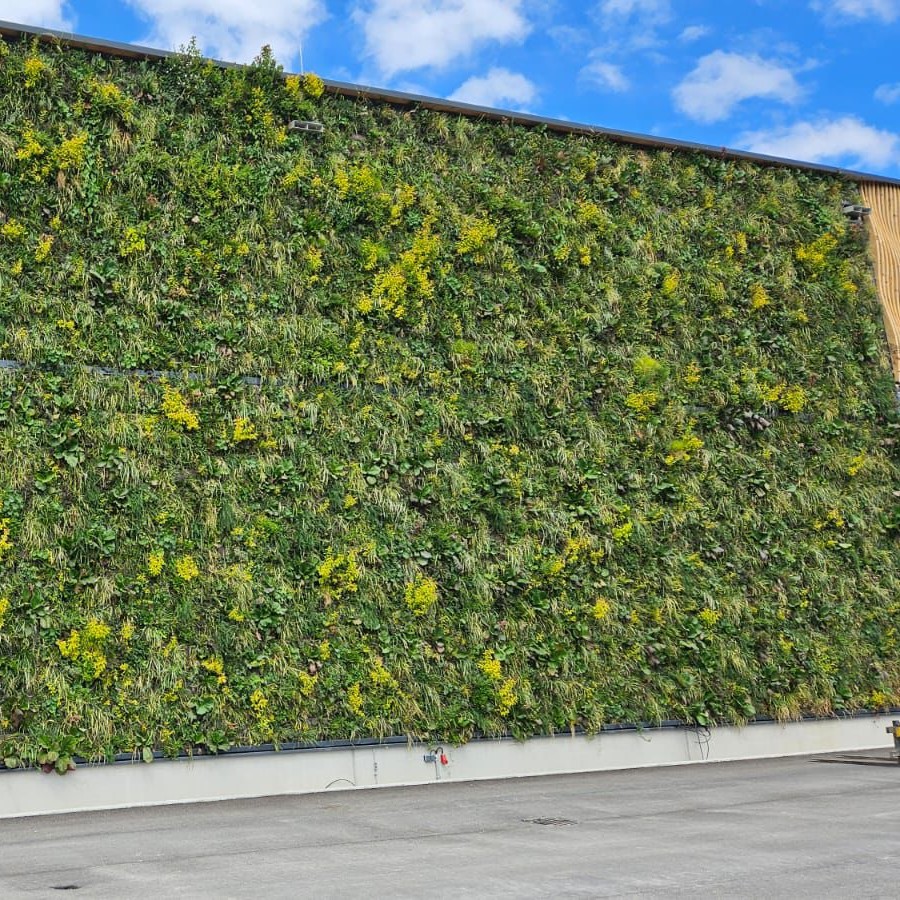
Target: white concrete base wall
28	793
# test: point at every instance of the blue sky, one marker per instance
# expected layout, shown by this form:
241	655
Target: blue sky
816	80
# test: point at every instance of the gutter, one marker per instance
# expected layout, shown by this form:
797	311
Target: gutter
12	31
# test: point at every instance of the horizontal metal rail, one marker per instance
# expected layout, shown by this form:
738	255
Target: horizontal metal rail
13	31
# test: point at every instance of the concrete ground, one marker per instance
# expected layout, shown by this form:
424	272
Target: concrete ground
802	827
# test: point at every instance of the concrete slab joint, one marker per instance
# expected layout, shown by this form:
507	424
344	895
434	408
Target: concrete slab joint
26	793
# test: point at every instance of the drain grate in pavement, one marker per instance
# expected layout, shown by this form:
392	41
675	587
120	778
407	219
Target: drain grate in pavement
548	820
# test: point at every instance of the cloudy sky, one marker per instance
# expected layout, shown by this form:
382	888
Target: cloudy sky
815	80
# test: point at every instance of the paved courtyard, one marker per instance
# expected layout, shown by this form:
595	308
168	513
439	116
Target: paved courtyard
802	827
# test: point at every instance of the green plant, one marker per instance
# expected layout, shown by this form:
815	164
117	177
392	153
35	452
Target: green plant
434	426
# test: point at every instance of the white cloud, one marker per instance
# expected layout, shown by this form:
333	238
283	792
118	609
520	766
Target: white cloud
693	33
888	93
404	35
883	10
650	11
499	87
233	30
37	13
605	75
568	37
847	139
722	80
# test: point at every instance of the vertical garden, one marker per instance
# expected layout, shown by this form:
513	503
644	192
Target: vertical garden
424	425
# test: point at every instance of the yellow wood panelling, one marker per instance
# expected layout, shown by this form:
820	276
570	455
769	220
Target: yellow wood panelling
884	226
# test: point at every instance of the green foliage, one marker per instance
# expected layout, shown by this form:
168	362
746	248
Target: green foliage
465	428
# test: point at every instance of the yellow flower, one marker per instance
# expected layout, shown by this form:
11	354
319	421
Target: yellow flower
68	647
682	449
691	375
506	696
355	699
421	595
601	609
556	565
86	648
70	153
244	430
307	683
95	632
155	562
33	68
338	574
856	464
490	665
816	254
642	402
132	243
93	664
186	568
176	409
314	259
6	543
758	297
369	252
12	230
313	85
793	399
380	676
562	252
878	699
475	236
293	85
216	667
589	213
671	282
4	609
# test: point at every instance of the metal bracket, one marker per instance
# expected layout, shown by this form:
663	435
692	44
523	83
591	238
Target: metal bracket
310	127
854	212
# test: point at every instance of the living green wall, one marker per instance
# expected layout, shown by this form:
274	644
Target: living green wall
426	425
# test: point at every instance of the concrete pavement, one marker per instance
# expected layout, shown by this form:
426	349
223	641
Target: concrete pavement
799	827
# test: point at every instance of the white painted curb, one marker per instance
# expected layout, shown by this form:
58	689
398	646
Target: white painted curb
230	777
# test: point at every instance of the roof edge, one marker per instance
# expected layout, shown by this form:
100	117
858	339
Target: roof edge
13	31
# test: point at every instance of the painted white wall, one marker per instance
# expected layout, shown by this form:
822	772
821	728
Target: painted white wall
24	793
